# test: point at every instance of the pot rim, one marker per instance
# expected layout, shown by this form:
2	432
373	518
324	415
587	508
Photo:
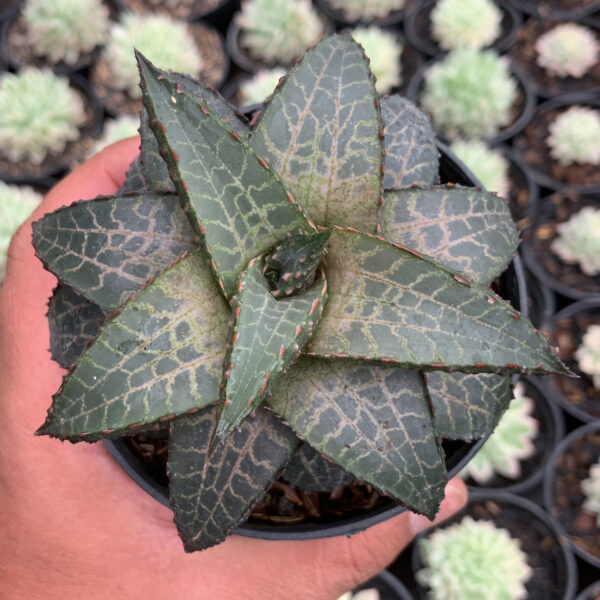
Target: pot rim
530	8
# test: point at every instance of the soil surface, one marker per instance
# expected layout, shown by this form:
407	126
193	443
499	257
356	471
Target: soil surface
525	56
536	152
571	468
555	209
519	200
548	7
185	9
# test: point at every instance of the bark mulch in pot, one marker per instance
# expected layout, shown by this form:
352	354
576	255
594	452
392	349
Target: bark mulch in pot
523	193
185	9
545	84
557	9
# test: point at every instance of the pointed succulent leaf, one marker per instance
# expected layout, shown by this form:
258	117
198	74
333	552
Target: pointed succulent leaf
109	247
73	322
388	303
466	229
310	471
210	497
134	180
321	132
231	195
375	422
267	336
467	406
411	156
292	266
161	356
154	168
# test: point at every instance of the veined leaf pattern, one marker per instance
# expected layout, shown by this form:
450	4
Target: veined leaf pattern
108	248
375	422
464	228
467	406
210	497
160	357
411	156
134	180
310	471
387	304
321	132
266	337
232	197
73	322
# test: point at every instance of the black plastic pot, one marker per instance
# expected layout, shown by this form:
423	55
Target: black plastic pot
551	431
458	454
571	282
548	9
527	101
418	21
8	9
525	517
389	587
550	488
542	172
341	21
591	592
541	301
559	389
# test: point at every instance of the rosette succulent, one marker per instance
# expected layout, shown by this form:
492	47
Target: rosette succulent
366	10
117	129
567	50
473	560
511	442
370	594
472	23
588	354
575	136
274	295
54	27
591	490
261	85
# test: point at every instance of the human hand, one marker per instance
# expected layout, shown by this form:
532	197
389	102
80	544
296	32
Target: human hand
73	525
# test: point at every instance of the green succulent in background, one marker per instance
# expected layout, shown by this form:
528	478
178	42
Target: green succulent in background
166	41
511	442
370	594
366	10
568	50
588	354
473	560
384	52
488	165
290	281
469	93
261	85
591	490
578	240
39	114
472	23
16	204
54	27
278	31
575	136
117	129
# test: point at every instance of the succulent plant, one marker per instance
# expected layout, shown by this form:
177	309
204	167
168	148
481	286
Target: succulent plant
588	354
117	129
258	267
472	23
369	594
469	93
578	240
511	442
54	27
591	490
278	31
384	51
16	204
261	85
567	50
473	560
166	41
366	10
575	136
39	114
487	164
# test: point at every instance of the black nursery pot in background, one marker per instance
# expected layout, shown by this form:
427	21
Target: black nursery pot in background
341	21
388	586
557	10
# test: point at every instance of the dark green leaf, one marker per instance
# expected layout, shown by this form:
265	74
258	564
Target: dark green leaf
233	198
467	406
464	228
411	156
134	180
266	338
387	304
375	422
321	133
308	470
73	322
161	356
109	247
210	498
